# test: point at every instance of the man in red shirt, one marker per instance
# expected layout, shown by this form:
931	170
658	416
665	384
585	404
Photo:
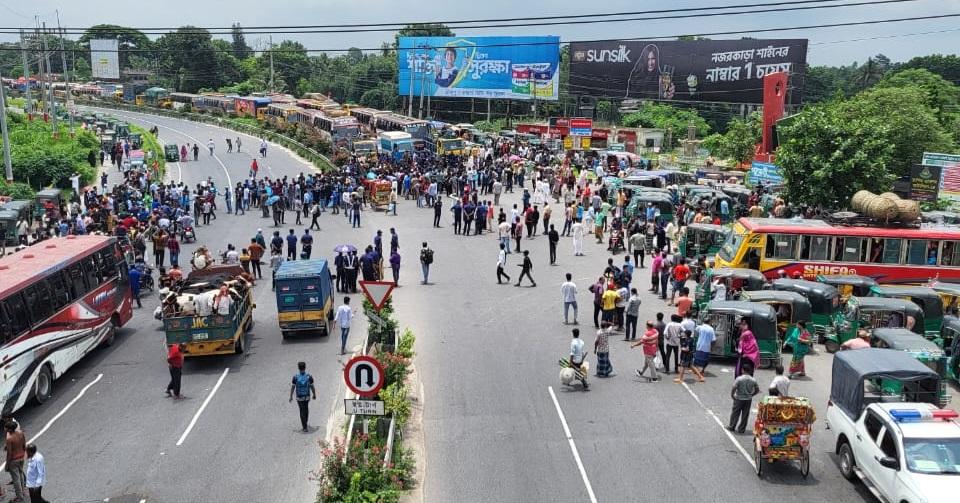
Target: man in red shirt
649	342
175	362
684	302
681	273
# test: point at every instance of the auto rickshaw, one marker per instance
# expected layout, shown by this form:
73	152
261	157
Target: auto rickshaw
926	298
23	208
663	203
824	302
949	294
781	431
849	284
136	140
869	313
734	280
725	318
123	130
790	307
171	152
107	142
48	203
925	351
8	222
710	202
950	339
702	239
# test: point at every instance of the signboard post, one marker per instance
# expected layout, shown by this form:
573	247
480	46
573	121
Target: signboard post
924	183
363	407
377	292
764	172
364	375
949	173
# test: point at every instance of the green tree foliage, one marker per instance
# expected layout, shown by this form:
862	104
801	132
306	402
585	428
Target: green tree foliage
668	117
738	141
192	61
290	64
40	160
941	95
130	41
238	43
423	30
946	66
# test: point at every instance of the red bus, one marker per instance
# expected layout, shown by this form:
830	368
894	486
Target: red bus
59	300
816	247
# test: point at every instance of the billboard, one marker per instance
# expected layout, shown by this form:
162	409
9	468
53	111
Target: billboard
521	68
104	62
690	70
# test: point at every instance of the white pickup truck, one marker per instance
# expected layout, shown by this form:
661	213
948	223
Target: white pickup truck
904	451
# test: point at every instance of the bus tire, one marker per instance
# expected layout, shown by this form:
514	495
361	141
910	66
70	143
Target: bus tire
114	326
43	386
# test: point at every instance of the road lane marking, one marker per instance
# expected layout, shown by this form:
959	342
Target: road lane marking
203	406
573	446
729	434
60	414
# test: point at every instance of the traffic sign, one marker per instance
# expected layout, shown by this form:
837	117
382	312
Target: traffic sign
364	375
377	292
363	407
581	126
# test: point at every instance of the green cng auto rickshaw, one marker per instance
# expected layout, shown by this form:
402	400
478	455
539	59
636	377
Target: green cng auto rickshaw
949	295
702	239
849	284
917	346
790	308
23	208
926	298
8	222
638	204
48	203
734	280
725	318
136	140
869	313
824	302
950	339
171	152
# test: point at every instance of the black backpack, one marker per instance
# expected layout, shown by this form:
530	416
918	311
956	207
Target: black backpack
426	256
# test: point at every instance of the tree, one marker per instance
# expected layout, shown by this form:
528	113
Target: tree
947	66
872	71
667	117
290	64
130	41
239	43
740	139
191	57
423	30
942	96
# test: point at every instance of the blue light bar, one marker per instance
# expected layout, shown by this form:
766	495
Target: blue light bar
901	415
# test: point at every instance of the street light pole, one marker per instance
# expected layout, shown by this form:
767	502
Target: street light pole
8	167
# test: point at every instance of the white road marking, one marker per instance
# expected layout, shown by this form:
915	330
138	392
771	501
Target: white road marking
573	446
206	402
59	414
716	418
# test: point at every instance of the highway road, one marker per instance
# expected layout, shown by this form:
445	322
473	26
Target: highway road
498	424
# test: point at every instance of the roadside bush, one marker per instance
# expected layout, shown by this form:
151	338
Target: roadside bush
358	475
17	190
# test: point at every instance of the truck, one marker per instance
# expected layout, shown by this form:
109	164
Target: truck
902	447
395	143
212	334
304	291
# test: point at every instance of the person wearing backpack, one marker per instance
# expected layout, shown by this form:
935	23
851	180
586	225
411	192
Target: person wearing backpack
426	258
302	385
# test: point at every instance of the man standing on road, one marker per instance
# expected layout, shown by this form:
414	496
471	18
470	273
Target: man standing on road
744	389
263	148
501	263
343	318
632	313
602	349
196	151
569	292
16	447
175	362
302	385
210	146
134	276
554	237
705	338
256	256
36	474
291	245
306	244
426	258
577	231
437	209
649	343
637	244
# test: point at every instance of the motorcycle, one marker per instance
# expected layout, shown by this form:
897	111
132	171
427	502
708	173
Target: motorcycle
146	277
188	235
616	243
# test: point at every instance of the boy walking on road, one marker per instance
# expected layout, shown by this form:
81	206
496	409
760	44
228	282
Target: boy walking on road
526	267
302	385
343	317
501	263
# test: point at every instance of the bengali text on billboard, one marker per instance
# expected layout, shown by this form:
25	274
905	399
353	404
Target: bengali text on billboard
685	70
104	59
524	68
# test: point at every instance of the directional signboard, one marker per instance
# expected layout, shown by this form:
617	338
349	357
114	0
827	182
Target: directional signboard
364	407
364	375
377	292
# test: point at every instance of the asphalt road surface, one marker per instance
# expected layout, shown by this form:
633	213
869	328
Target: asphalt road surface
498	424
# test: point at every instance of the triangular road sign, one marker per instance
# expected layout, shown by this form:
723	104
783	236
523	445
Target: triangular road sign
377	292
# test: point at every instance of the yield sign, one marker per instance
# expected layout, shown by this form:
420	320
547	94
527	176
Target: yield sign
377	292
364	375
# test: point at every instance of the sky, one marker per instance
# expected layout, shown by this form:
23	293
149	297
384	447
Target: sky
830	46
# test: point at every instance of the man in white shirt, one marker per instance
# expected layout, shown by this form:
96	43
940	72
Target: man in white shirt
232	256
222	302
569	291
504	231
36	474
343	318
577	356
501	263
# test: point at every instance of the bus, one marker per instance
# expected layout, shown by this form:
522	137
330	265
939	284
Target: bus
816	247
179	100
66	297
342	130
280	113
366	116
214	101
418	129
250	107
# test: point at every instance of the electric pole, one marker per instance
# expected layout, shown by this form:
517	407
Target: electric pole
8	168
271	63
28	105
66	74
53	98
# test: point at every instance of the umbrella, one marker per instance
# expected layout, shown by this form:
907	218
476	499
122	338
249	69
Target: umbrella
514	157
272	200
344	248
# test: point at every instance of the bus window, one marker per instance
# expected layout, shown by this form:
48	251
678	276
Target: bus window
933	252
951	253
17	315
77	286
891	250
815	248
92	272
917	252
108	264
850	249
876	250
781	246
38	299
59	289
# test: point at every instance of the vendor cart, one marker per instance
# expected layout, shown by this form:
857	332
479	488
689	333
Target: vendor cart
782	431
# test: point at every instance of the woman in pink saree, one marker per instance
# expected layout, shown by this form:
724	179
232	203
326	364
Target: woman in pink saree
748	348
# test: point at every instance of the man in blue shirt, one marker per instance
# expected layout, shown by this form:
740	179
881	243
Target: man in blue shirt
306	242
291	246
135	276
705	337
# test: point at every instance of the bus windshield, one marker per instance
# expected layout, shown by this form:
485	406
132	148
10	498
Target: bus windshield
730	247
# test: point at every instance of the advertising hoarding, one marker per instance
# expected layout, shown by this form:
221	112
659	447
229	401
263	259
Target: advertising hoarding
689	70
924	182
480	67
104	58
